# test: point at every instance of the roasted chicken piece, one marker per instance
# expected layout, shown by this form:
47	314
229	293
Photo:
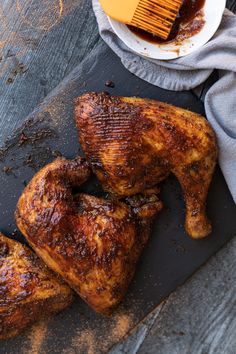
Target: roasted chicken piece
132	144
28	289
93	243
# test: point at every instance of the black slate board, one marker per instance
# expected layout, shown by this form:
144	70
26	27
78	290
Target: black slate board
169	258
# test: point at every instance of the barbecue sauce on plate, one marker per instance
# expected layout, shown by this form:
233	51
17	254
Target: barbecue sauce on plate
189	21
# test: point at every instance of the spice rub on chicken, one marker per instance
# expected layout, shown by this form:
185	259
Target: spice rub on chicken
93	243
132	144
28	289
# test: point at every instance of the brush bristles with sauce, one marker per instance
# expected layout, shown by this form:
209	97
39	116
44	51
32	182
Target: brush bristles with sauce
154	16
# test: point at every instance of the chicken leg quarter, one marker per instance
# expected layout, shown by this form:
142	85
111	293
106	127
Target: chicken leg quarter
132	144
29	290
93	243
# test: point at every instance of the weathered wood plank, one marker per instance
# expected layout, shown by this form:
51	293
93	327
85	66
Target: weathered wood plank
231	5
200	317
39	46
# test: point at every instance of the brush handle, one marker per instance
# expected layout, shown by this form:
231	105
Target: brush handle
120	10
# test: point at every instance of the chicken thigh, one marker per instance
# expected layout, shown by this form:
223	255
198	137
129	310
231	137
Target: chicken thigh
132	144
93	243
28	289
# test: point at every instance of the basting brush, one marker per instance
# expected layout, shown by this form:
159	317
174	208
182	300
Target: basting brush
154	16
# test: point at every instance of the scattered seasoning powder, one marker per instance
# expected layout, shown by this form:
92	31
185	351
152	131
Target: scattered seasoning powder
122	325
37	336
85	342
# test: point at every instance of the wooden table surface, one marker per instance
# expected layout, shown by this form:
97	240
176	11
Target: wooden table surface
38	48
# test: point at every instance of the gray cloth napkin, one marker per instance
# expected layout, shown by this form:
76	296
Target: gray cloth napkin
189	72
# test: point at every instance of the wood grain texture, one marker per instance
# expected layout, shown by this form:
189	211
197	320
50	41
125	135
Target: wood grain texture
39	46
199	317
231	5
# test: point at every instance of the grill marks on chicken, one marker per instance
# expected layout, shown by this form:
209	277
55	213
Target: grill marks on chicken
28	289
132	144
93	243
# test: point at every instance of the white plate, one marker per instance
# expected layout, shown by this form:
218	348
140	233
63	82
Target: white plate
213	10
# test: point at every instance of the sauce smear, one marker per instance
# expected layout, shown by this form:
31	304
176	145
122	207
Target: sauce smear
189	10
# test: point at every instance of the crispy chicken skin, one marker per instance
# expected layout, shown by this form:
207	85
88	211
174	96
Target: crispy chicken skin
28	289
132	144
93	243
